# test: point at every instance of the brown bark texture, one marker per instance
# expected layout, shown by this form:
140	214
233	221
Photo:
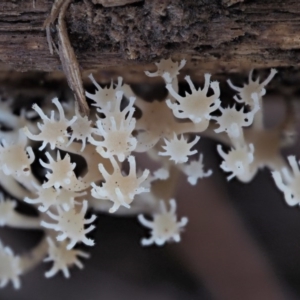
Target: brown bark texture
215	36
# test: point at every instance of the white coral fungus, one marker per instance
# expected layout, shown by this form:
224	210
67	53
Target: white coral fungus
106	140
71	224
117	138
7	208
197	105
232	120
238	161
9	267
118	188
66	198
113	110
195	170
81	129
7	116
245	93
164	226
62	171
167	69
62	258
179	149
159	174
13	157
103	95
52	131
289	184
48	197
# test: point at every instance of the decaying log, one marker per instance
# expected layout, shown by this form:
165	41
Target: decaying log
111	3
214	37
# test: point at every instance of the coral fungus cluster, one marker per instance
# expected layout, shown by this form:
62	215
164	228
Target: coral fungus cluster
168	131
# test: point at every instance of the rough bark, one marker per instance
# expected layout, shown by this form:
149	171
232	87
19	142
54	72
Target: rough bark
216	36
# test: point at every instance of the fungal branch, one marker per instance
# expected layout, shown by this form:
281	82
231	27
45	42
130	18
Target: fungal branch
112	180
